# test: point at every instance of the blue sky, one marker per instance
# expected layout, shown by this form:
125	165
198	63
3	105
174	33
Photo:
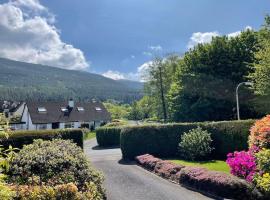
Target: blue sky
121	35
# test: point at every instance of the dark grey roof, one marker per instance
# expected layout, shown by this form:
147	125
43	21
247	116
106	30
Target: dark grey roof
55	114
11	106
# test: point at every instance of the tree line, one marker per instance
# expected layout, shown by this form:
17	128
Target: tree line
200	85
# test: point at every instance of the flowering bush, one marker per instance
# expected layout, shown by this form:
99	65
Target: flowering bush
64	191
195	144
242	164
260	133
5	192
53	163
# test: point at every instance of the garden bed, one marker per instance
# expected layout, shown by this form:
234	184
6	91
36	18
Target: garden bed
214	183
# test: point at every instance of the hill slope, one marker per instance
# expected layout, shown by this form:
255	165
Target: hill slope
24	81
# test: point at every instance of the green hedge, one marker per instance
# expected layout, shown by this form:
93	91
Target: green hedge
108	136
163	140
19	138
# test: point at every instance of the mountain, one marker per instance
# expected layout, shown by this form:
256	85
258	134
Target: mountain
132	84
24	81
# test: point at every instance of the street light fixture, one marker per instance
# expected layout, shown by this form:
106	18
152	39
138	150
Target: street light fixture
237	99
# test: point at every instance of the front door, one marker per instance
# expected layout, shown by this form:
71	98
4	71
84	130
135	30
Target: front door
55	125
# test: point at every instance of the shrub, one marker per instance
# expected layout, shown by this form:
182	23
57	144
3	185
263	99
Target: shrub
19	138
64	191
263	183
108	136
242	164
217	183
54	162
163	140
260	133
116	123
195	144
5	192
213	182
263	160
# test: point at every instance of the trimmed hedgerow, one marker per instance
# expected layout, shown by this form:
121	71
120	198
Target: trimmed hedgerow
19	138
212	182
163	140
108	136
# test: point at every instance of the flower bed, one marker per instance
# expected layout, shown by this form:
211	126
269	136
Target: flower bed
211	182
254	164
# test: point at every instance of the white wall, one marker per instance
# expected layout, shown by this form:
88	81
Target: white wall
27	119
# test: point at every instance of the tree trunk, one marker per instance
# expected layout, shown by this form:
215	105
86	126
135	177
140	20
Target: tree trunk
162	95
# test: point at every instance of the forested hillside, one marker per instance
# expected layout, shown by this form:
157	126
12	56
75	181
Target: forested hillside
24	81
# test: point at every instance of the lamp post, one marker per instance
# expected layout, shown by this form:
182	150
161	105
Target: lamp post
237	99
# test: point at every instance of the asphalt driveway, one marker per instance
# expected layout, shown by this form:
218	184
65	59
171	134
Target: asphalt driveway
127	181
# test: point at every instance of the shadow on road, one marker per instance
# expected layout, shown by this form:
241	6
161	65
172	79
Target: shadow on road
126	162
104	148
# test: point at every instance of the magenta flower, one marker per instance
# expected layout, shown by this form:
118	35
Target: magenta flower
243	164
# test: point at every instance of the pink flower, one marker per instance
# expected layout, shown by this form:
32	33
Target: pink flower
243	164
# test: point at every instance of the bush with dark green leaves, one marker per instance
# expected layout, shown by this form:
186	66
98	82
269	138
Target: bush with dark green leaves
163	140
54	163
19	138
108	136
195	144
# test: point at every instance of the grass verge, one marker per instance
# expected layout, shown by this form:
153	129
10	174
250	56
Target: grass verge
215	165
89	135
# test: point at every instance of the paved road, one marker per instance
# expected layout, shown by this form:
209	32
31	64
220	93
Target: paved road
127	181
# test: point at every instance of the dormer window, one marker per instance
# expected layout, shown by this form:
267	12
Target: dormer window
42	110
80	109
64	109
98	109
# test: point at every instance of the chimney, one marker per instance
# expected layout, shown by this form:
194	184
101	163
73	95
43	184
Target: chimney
71	103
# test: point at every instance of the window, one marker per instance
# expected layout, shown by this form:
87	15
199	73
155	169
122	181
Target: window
69	125
64	109
80	109
98	109
42	110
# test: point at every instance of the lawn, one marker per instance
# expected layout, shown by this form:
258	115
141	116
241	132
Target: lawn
89	135
216	165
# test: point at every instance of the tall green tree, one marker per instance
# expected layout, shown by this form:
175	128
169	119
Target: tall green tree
204	86
260	76
159	78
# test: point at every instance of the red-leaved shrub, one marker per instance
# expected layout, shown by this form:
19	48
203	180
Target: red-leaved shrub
147	161
260	133
168	169
217	183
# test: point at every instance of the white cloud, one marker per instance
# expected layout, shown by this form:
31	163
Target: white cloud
115	75
235	34
27	34
201	38
152	50
156	48
139	75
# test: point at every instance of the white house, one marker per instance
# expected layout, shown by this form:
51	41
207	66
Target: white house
59	115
